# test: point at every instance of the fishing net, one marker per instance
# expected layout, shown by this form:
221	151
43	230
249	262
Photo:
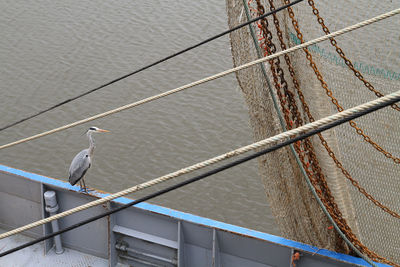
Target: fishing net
372	51
359	162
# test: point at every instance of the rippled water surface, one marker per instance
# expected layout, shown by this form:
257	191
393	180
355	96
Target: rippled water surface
50	51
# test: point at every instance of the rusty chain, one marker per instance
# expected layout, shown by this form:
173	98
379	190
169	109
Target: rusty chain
309	149
343	56
360	77
318	179
341	223
318	182
276	70
311	118
329	92
270	48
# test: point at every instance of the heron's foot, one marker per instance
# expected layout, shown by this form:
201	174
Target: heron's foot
86	190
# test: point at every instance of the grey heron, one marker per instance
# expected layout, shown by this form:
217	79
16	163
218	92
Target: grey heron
82	161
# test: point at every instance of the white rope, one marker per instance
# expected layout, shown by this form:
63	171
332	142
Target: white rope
277	138
210	78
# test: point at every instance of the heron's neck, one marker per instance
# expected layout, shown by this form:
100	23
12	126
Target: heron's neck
91	144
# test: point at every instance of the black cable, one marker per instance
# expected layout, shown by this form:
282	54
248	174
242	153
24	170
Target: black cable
211	172
150	65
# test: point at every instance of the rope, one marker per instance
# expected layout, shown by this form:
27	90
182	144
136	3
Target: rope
356	113
149	66
210	78
277	138
296	156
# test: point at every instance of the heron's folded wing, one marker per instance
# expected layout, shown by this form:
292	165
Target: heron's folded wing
80	164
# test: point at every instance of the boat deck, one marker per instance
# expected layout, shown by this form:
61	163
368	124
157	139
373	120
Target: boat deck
141	236
34	255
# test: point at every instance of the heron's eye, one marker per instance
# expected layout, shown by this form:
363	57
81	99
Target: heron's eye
92	128
87	156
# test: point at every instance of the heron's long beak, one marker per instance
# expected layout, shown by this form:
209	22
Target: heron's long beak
102	131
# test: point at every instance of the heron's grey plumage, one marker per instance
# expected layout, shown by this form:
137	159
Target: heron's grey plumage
79	166
82	161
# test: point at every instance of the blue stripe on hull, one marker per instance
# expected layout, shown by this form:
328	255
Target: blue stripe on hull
195	219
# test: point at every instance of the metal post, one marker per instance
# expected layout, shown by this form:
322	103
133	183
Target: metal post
52	208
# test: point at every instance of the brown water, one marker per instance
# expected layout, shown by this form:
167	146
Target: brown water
50	51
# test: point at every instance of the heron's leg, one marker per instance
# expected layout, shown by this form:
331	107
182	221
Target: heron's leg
85	189
84	186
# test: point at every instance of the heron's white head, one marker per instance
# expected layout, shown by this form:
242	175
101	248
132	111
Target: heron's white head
96	130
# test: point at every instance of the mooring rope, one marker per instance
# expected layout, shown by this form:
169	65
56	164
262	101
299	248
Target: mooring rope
209	173
210	78
271	140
